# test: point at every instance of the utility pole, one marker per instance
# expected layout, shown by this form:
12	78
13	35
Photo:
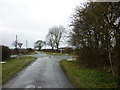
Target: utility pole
16	42
20	45
26	44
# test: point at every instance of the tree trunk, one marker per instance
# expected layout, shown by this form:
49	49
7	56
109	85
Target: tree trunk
109	56
57	46
110	60
52	48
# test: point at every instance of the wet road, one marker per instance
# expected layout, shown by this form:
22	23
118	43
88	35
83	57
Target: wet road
45	72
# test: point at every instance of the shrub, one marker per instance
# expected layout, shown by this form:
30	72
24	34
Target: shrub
6	52
68	50
15	51
93	57
29	49
48	50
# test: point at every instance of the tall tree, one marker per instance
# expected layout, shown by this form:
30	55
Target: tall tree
54	36
39	44
50	39
95	30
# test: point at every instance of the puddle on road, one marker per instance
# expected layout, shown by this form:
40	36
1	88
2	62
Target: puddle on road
47	57
32	86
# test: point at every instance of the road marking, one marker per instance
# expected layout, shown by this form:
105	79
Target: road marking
30	86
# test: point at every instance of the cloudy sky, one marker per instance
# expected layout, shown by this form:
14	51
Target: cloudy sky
31	19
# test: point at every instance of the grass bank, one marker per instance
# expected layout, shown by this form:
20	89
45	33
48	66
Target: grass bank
85	78
14	65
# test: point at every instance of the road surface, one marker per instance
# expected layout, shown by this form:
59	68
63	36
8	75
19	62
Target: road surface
45	72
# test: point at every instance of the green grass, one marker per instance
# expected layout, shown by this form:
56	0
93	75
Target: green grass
14	65
85	78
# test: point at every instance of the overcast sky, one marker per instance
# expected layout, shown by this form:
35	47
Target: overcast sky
31	19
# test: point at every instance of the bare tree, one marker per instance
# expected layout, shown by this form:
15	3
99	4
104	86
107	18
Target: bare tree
54	36
50	39
39	44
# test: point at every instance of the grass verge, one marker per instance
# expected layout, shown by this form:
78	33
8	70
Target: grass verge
85	78
13	66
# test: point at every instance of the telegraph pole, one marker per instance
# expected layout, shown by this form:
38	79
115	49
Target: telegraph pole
26	44
20	45
16	42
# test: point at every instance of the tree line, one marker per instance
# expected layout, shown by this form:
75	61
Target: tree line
53	38
96	35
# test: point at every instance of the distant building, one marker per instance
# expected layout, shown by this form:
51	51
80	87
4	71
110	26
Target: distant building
66	50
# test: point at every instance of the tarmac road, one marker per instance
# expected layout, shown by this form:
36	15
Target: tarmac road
45	72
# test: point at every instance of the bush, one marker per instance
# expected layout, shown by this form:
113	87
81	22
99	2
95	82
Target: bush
48	50
68	50
93	57
29	49
15	51
6	52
